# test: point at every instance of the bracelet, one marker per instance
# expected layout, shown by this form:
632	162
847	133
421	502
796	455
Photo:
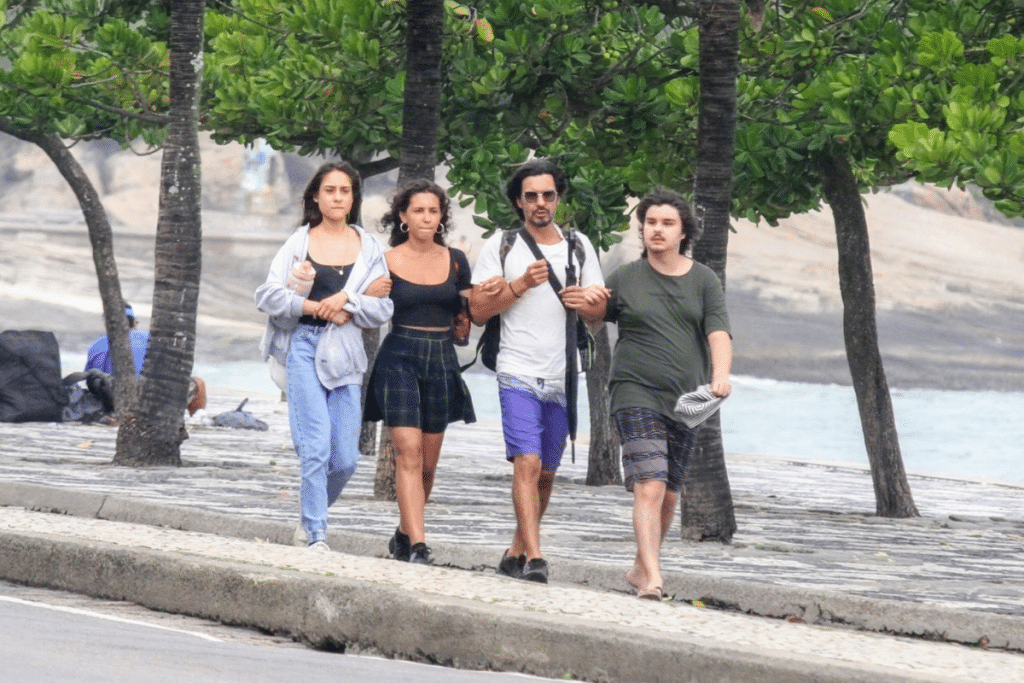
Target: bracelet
513	290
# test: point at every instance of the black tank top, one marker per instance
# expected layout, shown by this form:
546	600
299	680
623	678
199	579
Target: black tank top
329	280
431	305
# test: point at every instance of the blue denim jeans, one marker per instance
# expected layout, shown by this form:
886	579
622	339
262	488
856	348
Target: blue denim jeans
325	429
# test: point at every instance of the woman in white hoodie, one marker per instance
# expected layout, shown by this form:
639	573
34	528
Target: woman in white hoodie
318	336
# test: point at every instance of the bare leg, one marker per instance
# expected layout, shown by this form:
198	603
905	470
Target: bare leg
526	499
637	576
431	454
519	546
409	480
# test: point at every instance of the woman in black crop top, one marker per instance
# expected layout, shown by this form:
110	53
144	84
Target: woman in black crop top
416	386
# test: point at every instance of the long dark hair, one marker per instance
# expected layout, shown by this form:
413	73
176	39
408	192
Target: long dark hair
514	186
400	203
311	215
662	196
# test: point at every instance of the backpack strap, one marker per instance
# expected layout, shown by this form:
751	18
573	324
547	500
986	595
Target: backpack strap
492	328
578	250
508	238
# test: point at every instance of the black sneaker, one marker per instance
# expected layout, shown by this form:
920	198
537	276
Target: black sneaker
536	570
511	566
420	554
399	546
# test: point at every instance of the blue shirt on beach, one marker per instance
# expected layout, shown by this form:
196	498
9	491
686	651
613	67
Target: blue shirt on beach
99	353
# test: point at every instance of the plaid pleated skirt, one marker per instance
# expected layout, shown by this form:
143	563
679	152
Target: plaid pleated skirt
416	382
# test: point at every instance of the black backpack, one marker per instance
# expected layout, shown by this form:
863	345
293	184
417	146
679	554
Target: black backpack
30	383
490	341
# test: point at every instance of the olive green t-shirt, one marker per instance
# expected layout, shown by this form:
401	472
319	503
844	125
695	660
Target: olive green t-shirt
664	321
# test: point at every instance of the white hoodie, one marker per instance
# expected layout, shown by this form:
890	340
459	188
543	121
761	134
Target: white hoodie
340	356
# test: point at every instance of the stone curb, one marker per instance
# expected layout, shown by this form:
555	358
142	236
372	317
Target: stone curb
356	616
818	607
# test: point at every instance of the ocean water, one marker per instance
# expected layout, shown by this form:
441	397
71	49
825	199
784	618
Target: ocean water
972	434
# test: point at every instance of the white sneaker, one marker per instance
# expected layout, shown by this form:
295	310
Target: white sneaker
319	546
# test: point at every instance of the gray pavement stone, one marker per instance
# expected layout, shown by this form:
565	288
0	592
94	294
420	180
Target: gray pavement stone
808	546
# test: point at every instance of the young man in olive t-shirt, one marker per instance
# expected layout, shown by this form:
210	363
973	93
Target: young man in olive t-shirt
673	337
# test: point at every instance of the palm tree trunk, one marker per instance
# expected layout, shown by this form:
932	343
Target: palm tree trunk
603	456
152	430
707	508
421	118
368	431
421	111
892	491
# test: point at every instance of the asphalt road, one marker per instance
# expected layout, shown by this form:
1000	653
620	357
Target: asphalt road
52	636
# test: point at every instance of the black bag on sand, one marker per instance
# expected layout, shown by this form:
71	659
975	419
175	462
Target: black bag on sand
30	382
92	402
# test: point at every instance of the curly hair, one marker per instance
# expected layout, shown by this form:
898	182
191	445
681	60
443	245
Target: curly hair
662	196
392	220
311	215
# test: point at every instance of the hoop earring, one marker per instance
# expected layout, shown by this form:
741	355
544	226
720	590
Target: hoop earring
441	229
403	227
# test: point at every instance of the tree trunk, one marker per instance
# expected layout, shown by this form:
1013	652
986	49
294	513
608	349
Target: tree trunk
421	111
707	509
152	430
384	480
706	503
102	239
603	456
368	432
892	491
421	118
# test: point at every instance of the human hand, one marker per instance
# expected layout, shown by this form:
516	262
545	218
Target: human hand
721	387
300	278
380	288
332	306
492	286
341	318
595	294
536	273
574	297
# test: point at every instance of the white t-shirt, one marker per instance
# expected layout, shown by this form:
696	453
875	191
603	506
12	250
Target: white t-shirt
533	328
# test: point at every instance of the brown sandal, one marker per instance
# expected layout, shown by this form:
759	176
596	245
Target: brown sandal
652	594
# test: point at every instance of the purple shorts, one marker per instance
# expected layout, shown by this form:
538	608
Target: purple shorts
534	418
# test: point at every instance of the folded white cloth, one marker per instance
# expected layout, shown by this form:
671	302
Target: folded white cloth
698	405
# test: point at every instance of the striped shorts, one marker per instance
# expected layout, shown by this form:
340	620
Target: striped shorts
654	448
416	382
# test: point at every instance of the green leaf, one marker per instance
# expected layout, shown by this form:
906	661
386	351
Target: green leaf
1006	47
992	174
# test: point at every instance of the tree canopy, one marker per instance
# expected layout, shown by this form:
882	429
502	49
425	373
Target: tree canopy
597	85
979	137
911	89
83	70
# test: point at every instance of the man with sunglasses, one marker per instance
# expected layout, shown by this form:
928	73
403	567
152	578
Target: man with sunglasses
531	357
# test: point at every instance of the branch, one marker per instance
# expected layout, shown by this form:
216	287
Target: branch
144	117
12	129
376	167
